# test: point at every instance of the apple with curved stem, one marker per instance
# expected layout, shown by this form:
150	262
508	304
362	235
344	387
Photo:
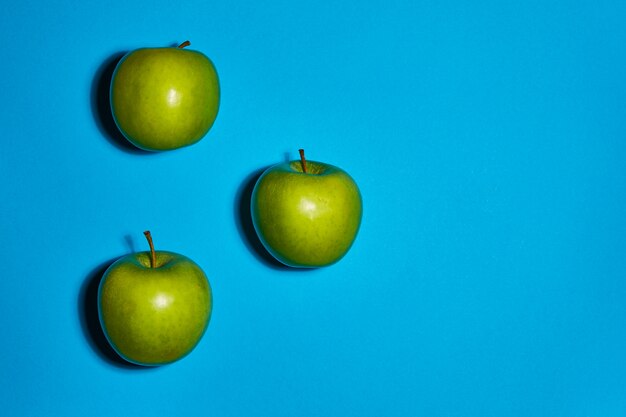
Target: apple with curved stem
306	214
164	98
154	307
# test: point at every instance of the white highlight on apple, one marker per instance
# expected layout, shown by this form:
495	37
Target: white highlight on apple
162	301
308	207
173	97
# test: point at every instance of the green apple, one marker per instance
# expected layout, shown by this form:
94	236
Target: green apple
154	306
164	98
306	214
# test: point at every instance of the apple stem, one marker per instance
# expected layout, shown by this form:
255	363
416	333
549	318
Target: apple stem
303	160
184	44
152	252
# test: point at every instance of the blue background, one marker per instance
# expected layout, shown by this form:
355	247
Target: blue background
489	143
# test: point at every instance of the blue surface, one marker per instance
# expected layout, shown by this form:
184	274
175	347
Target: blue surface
489	143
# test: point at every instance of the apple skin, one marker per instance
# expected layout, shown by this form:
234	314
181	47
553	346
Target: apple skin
306	220
164	98
154	316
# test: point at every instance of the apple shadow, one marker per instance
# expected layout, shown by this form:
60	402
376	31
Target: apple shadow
131	243
101	107
245	227
90	321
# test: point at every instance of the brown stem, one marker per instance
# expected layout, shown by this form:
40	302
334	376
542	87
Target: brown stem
302	160
184	44
152	252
